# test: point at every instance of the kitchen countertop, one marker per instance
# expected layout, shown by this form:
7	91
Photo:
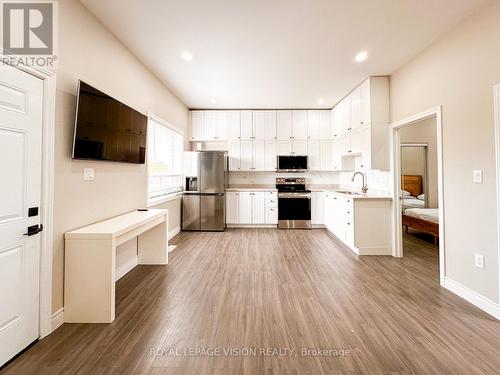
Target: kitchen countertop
256	187
336	189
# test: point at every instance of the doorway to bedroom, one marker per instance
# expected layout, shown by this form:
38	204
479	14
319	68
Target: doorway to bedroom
418	190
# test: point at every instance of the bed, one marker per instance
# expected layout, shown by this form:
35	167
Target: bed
415	214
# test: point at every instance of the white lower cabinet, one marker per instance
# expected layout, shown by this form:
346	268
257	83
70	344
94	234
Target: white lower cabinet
317	208
232	204
245	205
258	208
364	225
251	208
271	207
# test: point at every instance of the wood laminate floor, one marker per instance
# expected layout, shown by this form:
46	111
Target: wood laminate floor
264	288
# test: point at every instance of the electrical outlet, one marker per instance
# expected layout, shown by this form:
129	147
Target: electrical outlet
88	174
479	261
477	176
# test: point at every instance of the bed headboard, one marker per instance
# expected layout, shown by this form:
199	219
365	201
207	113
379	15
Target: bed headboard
412	184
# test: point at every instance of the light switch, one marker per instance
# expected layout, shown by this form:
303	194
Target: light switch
88	174
477	176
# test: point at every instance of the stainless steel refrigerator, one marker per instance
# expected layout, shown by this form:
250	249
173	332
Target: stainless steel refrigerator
203	199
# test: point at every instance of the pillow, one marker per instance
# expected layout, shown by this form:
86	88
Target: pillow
405	193
421	197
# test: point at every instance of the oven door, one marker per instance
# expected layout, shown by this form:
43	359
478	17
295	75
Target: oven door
294	210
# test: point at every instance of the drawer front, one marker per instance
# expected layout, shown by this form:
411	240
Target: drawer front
271	195
272	215
272	203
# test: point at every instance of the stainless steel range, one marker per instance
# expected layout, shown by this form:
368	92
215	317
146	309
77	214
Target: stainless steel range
294	203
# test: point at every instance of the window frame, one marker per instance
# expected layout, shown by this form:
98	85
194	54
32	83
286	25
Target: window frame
169	196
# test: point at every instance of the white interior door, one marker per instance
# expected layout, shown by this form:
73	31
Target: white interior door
20	190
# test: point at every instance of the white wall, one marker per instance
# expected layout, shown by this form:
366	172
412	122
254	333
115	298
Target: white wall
458	72
88	51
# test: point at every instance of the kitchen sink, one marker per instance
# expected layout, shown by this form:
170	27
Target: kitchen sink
349	192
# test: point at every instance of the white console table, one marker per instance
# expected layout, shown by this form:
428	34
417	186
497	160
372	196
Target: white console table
90	261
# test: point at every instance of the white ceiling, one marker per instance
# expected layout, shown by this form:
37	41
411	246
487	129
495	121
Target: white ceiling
275	53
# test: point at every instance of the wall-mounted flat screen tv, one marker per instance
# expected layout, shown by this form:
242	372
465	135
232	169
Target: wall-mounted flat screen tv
106	129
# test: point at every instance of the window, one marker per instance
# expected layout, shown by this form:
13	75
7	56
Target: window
165	147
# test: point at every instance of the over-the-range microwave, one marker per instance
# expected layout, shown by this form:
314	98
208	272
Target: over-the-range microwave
292	163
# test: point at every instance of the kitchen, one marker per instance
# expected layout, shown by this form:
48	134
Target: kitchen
294	169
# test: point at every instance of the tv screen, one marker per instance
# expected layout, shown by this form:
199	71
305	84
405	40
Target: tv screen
106	129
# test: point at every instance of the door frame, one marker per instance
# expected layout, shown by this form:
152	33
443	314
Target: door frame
47	194
397	230
496	107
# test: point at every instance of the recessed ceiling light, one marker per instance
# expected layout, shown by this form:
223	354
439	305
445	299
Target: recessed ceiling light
186	55
361	56
213	101
320	101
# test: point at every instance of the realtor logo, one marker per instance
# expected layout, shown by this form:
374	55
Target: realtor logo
29	29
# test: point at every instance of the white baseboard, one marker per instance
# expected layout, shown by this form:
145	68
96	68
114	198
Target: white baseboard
252	226
475	298
57	319
378	250
126	268
174	232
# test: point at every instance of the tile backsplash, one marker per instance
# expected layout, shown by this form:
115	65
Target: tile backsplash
377	180
269	178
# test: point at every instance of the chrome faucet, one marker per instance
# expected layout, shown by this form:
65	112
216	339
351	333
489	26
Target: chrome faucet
364	188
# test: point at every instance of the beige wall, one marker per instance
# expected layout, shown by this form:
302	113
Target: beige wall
425	132
89	52
458	72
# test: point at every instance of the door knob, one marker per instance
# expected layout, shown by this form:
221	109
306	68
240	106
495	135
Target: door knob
34	229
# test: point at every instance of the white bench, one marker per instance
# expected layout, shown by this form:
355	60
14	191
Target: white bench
90	261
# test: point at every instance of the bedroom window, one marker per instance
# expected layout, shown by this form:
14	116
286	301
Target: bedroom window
165	147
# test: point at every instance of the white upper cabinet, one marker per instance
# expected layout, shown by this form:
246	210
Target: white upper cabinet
259	156
299	125
343	116
365	103
356	121
197	125
234	155
313	125
270	121
320	155
234	125
353	135
326	155
313	156
246	125
362	124
222	125
259	125
299	147
284	125
246	161
210	125
284	147
271	153
325	125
